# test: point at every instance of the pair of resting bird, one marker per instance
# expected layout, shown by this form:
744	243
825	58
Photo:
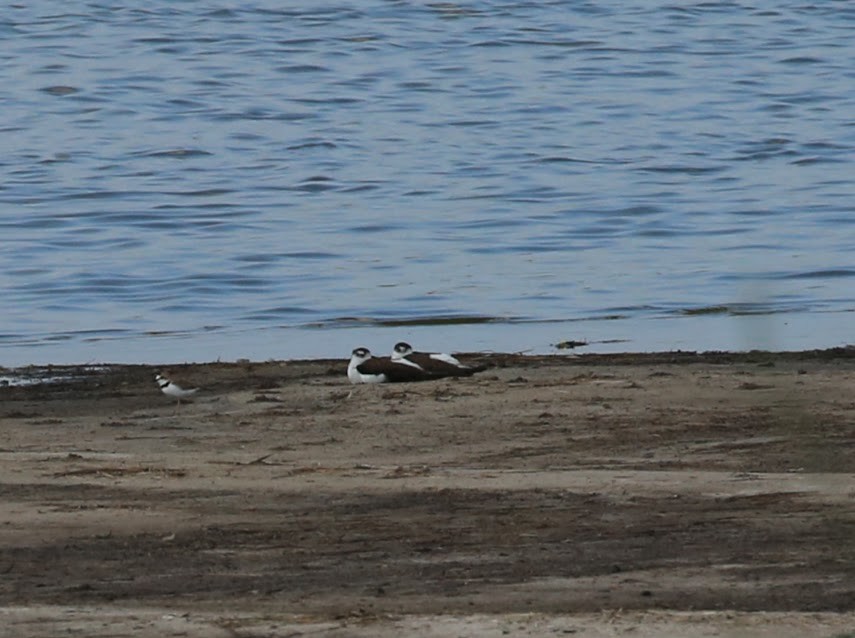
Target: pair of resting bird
405	365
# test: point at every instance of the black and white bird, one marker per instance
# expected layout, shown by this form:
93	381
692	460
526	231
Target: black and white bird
173	389
363	368
436	363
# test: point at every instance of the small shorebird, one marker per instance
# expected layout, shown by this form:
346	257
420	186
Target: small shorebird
436	363
173	389
363	368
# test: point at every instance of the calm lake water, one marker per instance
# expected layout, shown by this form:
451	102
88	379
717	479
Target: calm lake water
198	180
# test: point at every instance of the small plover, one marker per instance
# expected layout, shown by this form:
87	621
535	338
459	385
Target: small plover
363	368
173	389
436	363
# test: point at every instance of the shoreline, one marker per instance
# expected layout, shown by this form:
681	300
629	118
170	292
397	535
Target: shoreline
603	334
628	357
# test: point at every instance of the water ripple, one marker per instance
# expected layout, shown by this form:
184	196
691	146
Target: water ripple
180	171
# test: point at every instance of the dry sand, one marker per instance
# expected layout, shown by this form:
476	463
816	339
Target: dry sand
645	495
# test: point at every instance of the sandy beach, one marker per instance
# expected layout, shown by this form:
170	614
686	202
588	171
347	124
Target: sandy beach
672	494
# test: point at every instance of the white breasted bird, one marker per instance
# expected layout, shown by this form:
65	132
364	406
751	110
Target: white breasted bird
363	368
436	363
173	389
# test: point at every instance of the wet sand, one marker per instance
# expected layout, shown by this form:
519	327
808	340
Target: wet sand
672	494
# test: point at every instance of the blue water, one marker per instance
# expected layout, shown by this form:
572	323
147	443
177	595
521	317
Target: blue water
196	180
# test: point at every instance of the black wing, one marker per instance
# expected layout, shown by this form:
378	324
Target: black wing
439	368
395	372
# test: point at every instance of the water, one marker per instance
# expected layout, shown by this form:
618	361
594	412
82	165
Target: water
193	181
